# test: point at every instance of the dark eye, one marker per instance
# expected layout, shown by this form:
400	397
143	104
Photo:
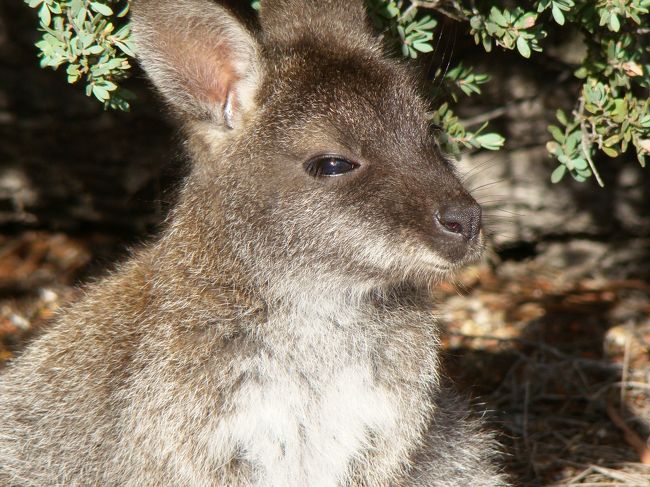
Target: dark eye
329	166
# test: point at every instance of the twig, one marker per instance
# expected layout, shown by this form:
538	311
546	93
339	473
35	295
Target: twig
435	5
613	474
630	435
626	366
584	142
432	4
580	476
630	384
526	404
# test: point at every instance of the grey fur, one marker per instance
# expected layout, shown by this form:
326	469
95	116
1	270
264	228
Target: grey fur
279	332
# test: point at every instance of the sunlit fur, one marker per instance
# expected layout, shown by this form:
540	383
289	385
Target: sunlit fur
279	332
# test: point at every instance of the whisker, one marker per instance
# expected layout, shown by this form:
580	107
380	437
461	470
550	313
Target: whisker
440	81
486	185
512	213
487	202
475	171
490	219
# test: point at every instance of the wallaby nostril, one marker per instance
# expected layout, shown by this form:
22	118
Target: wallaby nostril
464	220
454	227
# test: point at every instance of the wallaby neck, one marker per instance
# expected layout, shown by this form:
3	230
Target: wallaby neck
209	259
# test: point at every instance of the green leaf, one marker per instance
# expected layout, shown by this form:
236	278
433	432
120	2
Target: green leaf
557	133
44	15
558	174
423	46
572	141
581	72
490	141
102	9
127	49
498	17
579	163
610	151
96	49
614	23
614	139
100	93
557	14
523	47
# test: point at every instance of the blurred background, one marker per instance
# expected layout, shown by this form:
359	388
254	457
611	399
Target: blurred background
550	333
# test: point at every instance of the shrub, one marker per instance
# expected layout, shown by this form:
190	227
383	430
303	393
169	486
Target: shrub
90	39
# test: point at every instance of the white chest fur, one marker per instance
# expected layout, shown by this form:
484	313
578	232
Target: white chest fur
309	412
295	435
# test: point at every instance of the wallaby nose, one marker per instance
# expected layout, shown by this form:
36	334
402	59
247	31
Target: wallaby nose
463	219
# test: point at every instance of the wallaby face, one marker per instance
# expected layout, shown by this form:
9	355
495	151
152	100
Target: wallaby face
330	161
279	333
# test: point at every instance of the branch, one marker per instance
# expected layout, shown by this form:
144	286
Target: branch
584	140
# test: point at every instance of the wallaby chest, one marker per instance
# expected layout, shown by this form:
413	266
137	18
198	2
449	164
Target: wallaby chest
311	407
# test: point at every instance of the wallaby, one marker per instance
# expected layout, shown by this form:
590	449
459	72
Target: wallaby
279	332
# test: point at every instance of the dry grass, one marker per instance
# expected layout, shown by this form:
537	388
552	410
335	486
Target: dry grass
562	365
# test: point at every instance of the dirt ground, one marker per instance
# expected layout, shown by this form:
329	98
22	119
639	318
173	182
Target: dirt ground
557	354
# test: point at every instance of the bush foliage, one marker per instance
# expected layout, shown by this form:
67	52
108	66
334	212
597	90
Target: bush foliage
91	41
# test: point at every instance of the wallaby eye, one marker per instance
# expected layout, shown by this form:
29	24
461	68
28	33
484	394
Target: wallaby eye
329	166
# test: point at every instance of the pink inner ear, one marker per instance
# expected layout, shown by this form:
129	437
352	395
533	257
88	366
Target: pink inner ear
201	66
214	74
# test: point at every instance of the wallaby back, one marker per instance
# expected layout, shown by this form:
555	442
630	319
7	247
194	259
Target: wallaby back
279	332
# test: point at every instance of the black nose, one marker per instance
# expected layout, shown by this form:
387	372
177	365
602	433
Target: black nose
463	219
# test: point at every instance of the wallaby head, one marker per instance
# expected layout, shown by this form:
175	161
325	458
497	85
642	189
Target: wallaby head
312	152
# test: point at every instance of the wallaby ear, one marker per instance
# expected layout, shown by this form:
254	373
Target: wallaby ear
199	56
329	20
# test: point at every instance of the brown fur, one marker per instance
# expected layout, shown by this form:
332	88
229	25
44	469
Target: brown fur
279	331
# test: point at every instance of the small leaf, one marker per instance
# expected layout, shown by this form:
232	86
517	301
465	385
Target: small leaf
552	146
581	72
44	15
522	47
126	48
558	174
498	17
423	47
557	14
644	145
102	9
632	69
100	93
557	133
579	177
96	49
526	21
490	141
579	164
610	151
